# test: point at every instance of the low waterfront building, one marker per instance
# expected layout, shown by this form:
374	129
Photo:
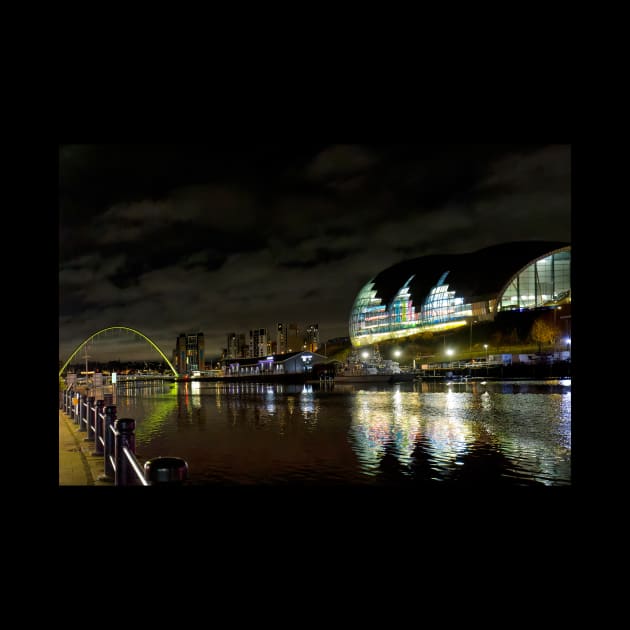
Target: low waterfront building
274	365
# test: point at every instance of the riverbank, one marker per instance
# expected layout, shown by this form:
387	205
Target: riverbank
77	465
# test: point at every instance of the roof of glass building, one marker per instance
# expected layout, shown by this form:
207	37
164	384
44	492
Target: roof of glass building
477	275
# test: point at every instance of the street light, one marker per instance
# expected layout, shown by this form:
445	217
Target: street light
471	323
449	352
397	353
555	335
485	345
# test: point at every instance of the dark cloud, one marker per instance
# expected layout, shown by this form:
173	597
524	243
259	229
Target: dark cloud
176	238
340	161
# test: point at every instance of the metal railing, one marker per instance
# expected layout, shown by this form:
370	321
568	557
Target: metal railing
114	440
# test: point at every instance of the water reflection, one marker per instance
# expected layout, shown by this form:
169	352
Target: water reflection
478	432
189	404
308	406
151	407
383	425
463	433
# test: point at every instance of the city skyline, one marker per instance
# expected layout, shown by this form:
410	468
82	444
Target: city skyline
172	239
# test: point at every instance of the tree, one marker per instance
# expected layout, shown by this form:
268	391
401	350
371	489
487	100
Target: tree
496	338
543	333
514	338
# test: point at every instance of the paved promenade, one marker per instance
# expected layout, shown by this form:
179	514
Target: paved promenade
77	465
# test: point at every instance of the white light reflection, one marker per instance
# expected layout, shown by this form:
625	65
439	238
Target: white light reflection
448	434
369	431
195	394
307	404
380	419
405	428
270	401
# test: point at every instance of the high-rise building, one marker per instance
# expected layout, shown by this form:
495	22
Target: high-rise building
311	338
195	351
236	346
258	342
282	338
190	352
294	342
180	353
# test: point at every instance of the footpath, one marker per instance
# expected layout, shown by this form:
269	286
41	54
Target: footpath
77	465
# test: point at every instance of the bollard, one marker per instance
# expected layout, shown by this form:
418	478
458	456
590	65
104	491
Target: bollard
98	428
108	434
125	428
166	470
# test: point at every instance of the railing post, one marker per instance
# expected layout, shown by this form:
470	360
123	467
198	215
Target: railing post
77	408
82	413
108	425
98	428
89	414
124	437
166	470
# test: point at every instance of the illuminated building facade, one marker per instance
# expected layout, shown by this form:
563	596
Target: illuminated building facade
236	346
294	341
189	352
311	337
274	365
441	292
282	338
258	343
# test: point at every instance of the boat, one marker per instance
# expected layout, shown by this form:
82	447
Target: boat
369	367
363	378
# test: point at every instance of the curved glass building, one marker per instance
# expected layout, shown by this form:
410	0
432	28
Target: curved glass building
440	292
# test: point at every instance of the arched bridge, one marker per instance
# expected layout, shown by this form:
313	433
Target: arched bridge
133	330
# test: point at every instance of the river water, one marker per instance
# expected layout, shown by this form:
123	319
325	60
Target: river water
506	433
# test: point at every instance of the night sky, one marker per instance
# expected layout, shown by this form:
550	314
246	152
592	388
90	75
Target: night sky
218	239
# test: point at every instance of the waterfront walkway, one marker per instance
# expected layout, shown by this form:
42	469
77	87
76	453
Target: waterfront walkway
77	465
